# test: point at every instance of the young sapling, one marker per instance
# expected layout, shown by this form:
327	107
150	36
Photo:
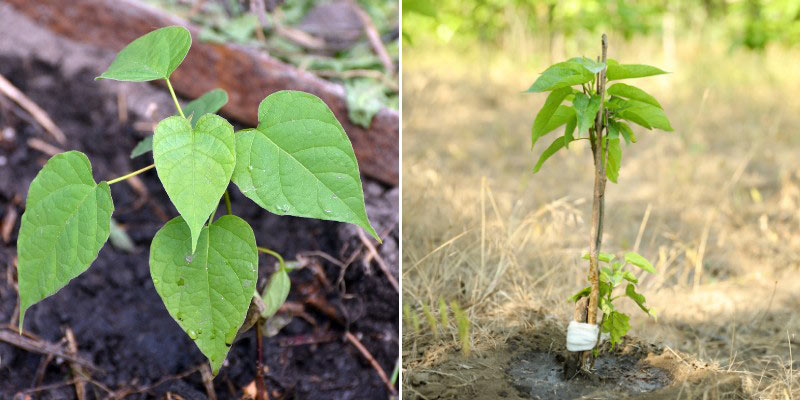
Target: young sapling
298	161
600	115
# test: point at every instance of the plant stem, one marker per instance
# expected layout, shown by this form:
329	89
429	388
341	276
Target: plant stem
274	254
261	389
134	173
228	203
598	199
174	98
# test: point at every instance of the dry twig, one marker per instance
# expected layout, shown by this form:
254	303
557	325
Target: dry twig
41	346
381	263
374	38
44	147
364	352
11	91
77	372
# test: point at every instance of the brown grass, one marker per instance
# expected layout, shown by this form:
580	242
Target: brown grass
715	205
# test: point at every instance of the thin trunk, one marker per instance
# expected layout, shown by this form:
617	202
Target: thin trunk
587	311
261	387
598	199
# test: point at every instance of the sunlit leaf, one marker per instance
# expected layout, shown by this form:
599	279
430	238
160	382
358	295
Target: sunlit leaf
153	56
208	291
617	326
194	165
553	103
639	261
646	115
300	162
561	75
554	147
209	103
613	159
632	93
638	298
590	65
586	110
618	71
66	222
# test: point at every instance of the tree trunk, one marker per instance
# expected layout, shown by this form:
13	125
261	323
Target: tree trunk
588	309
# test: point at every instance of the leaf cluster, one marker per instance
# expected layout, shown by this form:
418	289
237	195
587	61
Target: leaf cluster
613	275
575	82
298	161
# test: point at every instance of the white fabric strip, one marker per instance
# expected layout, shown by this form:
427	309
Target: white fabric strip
581	336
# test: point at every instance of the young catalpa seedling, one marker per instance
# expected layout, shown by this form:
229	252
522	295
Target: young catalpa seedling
298	161
600	115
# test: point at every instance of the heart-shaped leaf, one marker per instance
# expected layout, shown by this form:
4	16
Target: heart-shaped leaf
152	56
207	293
194	165
300	162
209	103
67	220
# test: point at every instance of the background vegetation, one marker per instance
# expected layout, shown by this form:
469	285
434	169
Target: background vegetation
715	204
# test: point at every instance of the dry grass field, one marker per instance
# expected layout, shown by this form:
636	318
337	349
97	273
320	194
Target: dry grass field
715	205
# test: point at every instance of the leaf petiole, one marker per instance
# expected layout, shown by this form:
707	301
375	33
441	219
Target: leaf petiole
132	174
228	202
274	254
174	98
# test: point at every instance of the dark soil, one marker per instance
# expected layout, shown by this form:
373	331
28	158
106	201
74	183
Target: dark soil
118	319
540	375
528	365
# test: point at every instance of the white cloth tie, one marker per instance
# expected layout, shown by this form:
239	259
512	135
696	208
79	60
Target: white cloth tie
581	336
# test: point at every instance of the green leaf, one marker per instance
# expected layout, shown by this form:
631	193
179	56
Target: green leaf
617	71
630	277
613	160
603	257
153	56
623	129
209	103
632	93
638	298
67	220
561	75
143	147
299	162
586	110
606	306
639	261
557	145
646	115
207	292
590	65
545	115
581	293
563	115
194	165
276	292
617	326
